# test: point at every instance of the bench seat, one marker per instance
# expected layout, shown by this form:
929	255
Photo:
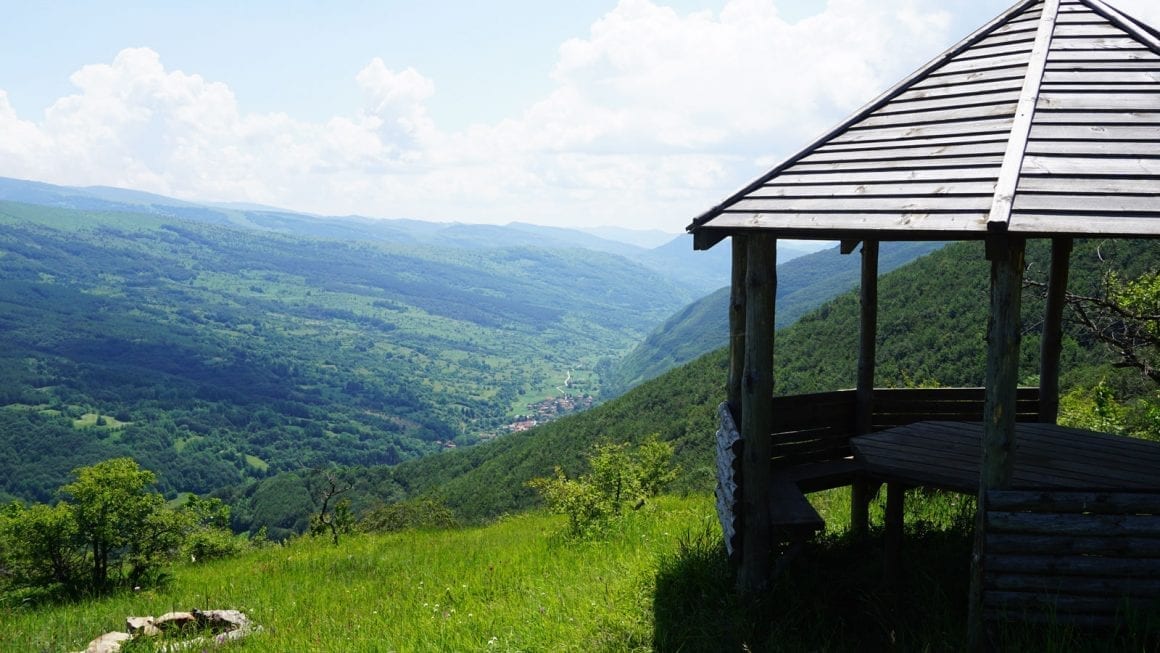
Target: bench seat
792	517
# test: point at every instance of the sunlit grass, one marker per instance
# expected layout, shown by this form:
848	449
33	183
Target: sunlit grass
515	585
656	580
98	420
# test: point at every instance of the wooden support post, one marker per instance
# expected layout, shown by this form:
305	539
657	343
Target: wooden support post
737	327
1002	376
867	345
867	336
757	413
895	498
1006	254
861	495
1051	343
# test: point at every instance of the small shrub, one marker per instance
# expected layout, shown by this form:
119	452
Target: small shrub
406	515
616	476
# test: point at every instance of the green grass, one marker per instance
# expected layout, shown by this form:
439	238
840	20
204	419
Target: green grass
516	585
91	420
657	580
257	463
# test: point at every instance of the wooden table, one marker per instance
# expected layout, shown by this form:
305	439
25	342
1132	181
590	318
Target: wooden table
946	455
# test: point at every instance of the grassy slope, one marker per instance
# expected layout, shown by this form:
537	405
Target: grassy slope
513	586
658	580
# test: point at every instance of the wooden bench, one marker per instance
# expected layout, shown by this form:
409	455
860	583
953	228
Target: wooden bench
793	518
1079	557
811	448
811	433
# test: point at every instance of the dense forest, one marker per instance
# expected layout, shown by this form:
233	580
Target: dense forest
802	284
214	353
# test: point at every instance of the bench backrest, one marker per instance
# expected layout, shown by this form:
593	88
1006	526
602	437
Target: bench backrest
1071	556
818	427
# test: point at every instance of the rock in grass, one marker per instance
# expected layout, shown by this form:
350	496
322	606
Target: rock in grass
108	643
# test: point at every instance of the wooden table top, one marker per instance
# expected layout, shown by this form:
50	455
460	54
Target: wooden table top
947	455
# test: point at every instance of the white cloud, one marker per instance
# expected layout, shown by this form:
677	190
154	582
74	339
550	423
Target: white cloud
654	115
1145	10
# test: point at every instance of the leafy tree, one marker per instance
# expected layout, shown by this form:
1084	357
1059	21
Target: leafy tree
113	529
115	518
38	547
1125	315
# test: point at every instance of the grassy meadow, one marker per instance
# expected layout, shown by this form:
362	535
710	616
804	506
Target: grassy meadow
655	580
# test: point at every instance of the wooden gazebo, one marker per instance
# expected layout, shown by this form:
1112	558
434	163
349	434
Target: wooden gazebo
1044	123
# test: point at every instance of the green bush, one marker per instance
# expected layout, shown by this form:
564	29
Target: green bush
208	536
427	514
616	476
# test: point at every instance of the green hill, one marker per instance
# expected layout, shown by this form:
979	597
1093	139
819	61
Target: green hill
931	332
803	284
214	353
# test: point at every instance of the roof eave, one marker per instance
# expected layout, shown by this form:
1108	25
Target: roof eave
863	112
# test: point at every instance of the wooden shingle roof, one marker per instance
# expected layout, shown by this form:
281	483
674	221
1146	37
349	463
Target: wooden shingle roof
1045	121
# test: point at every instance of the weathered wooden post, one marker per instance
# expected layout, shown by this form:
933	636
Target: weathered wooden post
737	326
1051	343
757	412
1002	379
867	346
730	445
1005	251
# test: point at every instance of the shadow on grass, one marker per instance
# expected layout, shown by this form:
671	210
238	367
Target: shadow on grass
832	597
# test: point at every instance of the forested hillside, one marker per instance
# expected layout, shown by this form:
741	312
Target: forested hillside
213	353
932	324
802	284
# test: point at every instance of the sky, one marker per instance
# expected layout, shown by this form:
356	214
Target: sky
638	113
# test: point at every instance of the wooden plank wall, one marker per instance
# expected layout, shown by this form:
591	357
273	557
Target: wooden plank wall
895	407
813	427
729	444
1071	556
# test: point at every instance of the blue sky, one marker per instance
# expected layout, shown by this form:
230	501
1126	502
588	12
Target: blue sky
638	113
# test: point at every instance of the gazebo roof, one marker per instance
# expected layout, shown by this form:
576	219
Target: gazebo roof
1044	122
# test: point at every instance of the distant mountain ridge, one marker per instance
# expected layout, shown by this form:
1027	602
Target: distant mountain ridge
673	257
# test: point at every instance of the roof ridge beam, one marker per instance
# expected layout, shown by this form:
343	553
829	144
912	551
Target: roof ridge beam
1127	23
1000	215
